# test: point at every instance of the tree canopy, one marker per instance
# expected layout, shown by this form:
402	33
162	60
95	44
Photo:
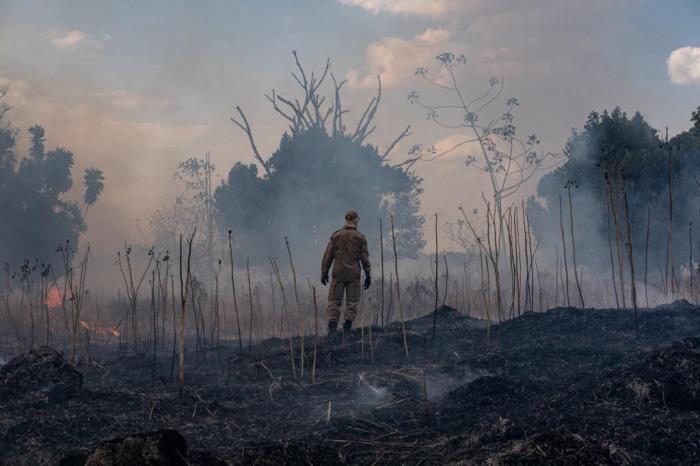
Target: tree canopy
37	216
625	153
314	178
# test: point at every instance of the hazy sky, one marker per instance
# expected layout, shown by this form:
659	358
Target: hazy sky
135	87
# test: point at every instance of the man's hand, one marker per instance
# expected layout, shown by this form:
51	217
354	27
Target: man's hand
368	281
324	278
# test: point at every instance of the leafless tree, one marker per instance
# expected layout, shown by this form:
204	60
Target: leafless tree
508	160
313	110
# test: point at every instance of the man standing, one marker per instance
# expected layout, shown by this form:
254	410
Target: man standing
346	250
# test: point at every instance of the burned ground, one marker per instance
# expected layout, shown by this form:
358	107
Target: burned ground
563	387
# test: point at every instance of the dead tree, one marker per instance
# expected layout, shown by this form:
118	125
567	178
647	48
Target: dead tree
311	111
508	161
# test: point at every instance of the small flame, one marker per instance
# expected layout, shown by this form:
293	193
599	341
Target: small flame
54	298
101	330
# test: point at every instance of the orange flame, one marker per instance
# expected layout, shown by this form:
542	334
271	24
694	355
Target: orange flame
101	330
54	298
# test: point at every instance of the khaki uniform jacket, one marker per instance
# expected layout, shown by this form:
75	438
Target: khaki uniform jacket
346	250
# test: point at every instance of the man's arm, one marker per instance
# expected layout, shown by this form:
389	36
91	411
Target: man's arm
364	257
328	257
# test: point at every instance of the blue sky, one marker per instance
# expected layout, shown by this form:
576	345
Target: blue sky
135	87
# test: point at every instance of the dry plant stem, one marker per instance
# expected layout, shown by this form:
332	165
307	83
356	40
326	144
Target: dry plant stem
233	290
631	258
154	329
371	320
437	264
132	288
486	301
398	288
690	261
669	242
573	247
381	260
646	259
563	245
184	288
447	277
608	197
556	276
491	251
172	359
618	241
299	310
250	302
313	365
285	311
539	282
272	295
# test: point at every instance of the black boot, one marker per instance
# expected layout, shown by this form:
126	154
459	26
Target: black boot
332	331
347	326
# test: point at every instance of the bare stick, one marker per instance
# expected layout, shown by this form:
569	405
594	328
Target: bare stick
437	263
235	299
690	250
646	258
631	257
285	310
612	259
669	245
245	126
618	241
313	365
250	301
184	288
301	313
563	245
573	247
398	288
381	255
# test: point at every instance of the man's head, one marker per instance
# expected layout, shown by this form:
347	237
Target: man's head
352	217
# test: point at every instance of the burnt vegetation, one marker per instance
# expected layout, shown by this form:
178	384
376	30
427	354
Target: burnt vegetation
556	329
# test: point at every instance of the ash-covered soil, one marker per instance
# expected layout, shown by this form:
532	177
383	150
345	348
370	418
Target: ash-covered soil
563	387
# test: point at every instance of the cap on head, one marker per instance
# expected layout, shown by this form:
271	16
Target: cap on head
351	216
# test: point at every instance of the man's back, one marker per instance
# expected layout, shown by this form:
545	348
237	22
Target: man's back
346	250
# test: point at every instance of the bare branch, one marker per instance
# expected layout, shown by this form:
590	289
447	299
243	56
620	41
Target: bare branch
367	117
245	126
405	133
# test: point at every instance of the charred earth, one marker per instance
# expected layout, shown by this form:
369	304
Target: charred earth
566	386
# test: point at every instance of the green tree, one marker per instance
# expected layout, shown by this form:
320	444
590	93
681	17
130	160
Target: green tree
615	144
37	217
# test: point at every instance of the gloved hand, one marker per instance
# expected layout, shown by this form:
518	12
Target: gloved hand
368	281
324	278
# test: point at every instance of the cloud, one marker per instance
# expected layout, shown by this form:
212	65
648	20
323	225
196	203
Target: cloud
432	8
396	59
684	65
72	38
129	100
